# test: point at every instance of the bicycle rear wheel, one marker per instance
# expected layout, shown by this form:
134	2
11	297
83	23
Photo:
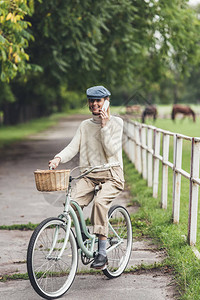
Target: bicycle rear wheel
50	275
120	234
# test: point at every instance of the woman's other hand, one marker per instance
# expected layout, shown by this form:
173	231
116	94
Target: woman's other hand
54	163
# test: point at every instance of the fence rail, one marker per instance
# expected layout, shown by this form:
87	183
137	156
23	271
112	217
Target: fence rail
142	144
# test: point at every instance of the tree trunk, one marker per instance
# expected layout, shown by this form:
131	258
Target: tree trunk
10	113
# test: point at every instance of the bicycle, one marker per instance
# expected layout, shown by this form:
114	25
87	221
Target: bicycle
52	256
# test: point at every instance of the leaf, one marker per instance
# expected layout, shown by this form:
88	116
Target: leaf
3	77
17	58
9	16
3	53
2	39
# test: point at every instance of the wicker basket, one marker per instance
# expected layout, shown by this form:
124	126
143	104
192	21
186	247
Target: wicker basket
51	180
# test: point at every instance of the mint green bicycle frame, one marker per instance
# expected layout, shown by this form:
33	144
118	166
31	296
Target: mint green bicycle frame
69	215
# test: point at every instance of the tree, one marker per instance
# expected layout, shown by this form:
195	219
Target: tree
14	38
124	42
128	43
14	60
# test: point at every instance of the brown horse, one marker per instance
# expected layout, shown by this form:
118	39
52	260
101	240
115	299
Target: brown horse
149	111
184	110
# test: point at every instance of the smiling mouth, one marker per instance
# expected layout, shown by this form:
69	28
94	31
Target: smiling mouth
95	110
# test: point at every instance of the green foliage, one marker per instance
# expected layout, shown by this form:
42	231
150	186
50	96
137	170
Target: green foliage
71	99
14	37
126	45
6	94
114	42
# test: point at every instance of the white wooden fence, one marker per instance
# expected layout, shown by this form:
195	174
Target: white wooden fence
142	145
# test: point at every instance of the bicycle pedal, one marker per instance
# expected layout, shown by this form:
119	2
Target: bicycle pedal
102	268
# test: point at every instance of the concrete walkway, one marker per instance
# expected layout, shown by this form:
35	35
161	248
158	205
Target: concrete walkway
22	203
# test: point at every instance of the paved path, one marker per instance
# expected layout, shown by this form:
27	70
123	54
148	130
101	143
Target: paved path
22	203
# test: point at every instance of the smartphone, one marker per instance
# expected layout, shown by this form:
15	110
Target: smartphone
106	105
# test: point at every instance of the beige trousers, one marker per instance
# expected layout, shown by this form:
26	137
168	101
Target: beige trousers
112	183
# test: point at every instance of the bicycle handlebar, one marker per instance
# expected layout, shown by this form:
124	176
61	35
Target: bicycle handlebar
104	166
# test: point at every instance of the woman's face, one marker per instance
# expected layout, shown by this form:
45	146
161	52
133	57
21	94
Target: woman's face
95	105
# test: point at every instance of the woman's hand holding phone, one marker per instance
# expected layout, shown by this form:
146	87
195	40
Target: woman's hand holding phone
105	105
103	113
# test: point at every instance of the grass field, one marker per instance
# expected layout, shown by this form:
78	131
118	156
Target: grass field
154	222
11	134
189	128
185	126
173	237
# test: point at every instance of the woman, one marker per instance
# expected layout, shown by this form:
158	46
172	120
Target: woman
98	141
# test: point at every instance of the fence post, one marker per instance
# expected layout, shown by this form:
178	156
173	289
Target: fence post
149	157
129	140
156	163
164	193
178	142
135	145
125	136
194	191
144	152
132	143
138	150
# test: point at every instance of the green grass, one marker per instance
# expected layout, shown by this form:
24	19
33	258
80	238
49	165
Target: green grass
156	223
10	134
185	126
17	276
24	227
174	237
188	128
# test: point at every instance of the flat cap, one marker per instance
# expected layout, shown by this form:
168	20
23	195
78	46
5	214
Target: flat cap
97	92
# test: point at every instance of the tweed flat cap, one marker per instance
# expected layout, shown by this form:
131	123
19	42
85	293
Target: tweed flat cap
97	92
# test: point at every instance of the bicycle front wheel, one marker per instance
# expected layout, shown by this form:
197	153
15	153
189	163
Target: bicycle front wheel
51	275
119	240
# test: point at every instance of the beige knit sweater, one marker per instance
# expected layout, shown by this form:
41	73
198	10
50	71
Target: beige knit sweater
96	145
